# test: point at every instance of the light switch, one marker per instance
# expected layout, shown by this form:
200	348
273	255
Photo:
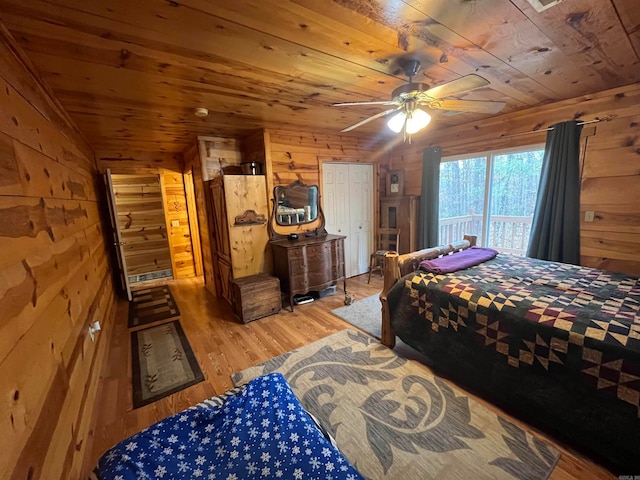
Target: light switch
176	223
589	215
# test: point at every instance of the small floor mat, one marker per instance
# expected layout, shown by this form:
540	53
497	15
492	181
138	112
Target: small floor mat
151	305
162	363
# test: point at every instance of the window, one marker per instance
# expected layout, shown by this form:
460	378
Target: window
492	195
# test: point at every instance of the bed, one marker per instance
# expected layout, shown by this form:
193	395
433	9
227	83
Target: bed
258	430
557	345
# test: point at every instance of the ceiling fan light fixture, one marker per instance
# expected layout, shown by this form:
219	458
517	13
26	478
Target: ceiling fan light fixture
418	119
396	123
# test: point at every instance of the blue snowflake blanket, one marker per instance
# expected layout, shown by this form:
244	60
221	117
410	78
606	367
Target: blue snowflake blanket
261	431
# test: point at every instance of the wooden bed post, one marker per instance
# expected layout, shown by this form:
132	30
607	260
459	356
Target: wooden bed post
472	239
391	276
395	266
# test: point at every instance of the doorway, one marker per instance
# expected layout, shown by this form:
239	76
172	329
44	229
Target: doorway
139	228
348	199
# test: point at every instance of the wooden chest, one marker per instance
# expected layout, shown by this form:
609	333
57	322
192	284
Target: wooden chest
255	296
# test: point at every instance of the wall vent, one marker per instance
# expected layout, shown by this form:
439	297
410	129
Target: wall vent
541	5
143	277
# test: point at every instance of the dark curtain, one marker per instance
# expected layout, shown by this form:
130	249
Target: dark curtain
429	198
555	233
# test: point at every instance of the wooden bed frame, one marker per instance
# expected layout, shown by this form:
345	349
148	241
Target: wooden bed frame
397	266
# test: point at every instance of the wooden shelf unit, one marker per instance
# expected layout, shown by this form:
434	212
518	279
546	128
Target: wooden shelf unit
402	212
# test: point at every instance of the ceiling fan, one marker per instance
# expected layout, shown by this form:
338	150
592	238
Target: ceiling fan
407	99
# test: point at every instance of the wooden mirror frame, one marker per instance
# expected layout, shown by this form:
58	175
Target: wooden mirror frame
280	232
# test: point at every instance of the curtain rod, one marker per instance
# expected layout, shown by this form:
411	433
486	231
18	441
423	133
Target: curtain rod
606	118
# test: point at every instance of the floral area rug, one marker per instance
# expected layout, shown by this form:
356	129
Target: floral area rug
392	418
162	362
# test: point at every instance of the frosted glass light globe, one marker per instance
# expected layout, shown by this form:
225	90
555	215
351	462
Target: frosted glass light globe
417	121
396	122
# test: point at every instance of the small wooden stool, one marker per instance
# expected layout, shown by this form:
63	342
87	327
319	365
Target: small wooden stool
255	297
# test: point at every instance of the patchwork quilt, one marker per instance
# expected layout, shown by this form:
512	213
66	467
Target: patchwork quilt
257	431
559	343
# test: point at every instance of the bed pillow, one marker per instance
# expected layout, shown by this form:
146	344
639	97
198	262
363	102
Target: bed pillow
263	431
458	261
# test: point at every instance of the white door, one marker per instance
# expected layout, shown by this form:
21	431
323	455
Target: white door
335	189
348	208
361	216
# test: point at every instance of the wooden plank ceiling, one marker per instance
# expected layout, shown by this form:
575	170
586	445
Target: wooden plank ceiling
130	73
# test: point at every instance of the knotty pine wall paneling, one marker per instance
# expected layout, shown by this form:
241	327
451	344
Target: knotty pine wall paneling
298	155
172	198
54	279
611	165
286	155
205	158
217	154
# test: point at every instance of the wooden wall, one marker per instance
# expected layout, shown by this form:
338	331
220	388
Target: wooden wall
611	174
169	168
54	279
204	159
217	154
298	155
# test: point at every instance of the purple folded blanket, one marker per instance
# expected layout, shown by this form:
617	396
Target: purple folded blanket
457	261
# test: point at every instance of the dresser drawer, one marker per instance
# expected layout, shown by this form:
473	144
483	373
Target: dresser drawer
310	250
297	266
318	262
308	264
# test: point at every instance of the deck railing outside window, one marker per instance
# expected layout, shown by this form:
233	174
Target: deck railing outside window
507	234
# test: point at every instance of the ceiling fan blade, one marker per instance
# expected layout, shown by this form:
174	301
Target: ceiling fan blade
473	106
461	85
386	102
373	117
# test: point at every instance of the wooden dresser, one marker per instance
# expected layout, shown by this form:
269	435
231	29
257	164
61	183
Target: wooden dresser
309	264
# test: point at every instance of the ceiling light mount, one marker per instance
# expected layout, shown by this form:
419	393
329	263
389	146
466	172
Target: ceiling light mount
411	68
201	112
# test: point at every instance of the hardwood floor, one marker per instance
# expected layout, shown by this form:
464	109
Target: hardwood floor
224	346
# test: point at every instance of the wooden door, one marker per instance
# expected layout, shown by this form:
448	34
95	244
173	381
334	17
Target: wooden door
118	244
220	225
139	210
247	242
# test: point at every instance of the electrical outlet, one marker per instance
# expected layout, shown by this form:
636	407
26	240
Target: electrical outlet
589	215
175	223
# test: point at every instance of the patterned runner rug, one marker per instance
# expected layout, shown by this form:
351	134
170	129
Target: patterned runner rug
394	419
162	362
150	305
